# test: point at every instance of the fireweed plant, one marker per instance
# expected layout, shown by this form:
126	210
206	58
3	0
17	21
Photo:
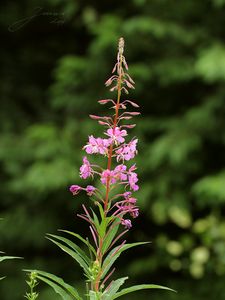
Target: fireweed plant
115	201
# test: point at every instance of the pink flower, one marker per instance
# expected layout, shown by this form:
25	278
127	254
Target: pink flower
128	207
127	151
90	190
127	223
128	198
132	200
75	189
116	135
133	179
86	170
97	145
135	213
107	175
127	195
119	172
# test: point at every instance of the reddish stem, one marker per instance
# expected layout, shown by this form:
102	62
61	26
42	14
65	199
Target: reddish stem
111	146
109	164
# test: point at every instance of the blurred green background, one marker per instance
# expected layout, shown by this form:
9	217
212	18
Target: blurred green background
53	69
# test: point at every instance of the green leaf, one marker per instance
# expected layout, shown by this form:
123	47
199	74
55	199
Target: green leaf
102	227
110	235
56	288
76	248
114	287
81	239
101	210
1	278
93	295
105	220
58	284
2	258
96	221
139	287
74	255
109	260
9	257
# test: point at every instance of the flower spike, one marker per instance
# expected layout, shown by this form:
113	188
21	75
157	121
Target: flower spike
115	208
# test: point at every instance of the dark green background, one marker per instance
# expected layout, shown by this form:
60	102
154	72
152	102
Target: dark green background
53	70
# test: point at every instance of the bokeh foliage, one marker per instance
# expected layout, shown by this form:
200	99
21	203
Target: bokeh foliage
52	75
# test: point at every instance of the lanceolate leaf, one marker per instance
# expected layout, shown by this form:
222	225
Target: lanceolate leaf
138	288
66	291
74	255
105	221
114	287
2	258
81	239
76	248
101	210
57	288
8	257
102	227
96	221
2	278
111	257
93	295
110	235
